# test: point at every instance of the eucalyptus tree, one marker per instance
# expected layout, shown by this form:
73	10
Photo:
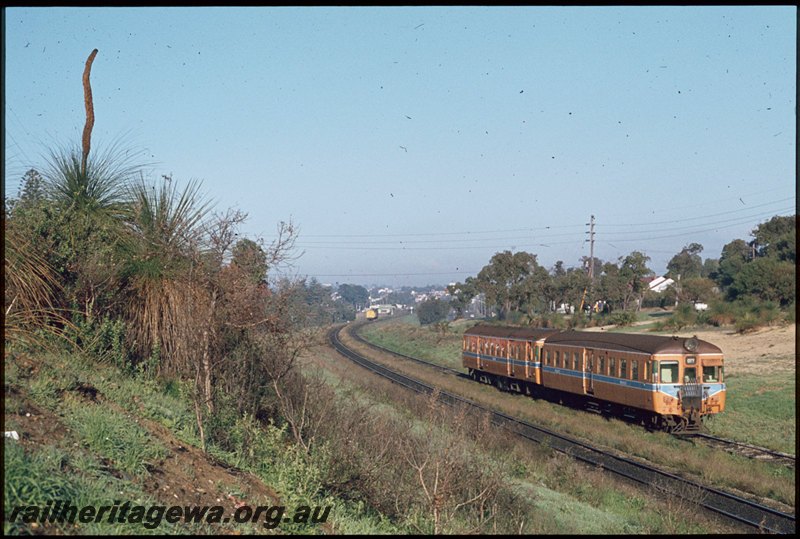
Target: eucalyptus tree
506	283
687	264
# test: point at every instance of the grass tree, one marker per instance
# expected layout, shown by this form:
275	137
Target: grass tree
87	208
164	234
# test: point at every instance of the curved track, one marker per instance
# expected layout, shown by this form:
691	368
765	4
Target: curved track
733	507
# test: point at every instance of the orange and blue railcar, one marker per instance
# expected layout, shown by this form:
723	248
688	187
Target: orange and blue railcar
664	382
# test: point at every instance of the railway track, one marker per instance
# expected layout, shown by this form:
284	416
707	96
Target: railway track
741	448
741	510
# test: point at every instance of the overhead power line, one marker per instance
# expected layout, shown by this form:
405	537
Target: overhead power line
710	223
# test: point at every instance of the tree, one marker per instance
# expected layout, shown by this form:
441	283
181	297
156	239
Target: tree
634	269
356	295
32	187
432	311
570	287
734	256
777	238
620	285
503	280
686	264
462	295
710	268
611	287
249	256
767	279
161	264
537	292
697	289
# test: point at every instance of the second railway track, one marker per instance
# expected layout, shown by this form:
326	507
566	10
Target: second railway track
733	507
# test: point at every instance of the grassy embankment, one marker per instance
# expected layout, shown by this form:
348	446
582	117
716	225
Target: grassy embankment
93	435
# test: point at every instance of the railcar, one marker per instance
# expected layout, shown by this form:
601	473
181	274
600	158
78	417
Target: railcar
371	314
664	382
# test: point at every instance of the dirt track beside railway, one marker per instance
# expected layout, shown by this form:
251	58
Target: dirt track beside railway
769	349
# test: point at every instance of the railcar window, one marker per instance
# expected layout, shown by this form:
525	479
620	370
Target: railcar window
669	372
711	374
576	361
611	367
623	368
537	353
690	374
558	358
655	372
635	369
602	365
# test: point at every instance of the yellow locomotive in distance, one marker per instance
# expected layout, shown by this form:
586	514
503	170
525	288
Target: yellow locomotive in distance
664	382
372	314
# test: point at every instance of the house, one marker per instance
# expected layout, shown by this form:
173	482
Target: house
659	284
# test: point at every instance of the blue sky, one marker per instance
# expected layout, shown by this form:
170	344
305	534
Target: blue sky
410	144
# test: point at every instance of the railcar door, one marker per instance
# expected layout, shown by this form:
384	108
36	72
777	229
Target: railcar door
588	372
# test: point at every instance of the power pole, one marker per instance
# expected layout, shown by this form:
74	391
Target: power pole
591	264
591	247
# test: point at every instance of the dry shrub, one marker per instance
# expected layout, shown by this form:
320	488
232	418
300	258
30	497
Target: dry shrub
31	295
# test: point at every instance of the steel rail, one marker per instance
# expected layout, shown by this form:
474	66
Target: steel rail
748	450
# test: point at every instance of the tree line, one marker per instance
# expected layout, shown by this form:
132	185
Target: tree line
521	290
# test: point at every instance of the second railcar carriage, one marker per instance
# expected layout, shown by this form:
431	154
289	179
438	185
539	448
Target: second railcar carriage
668	382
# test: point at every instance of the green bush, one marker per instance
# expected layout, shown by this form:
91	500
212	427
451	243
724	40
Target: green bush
623	318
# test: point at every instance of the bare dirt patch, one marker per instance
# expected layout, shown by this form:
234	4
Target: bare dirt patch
187	476
770	349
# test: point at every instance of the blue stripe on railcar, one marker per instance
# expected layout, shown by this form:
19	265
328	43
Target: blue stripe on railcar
503	360
670	390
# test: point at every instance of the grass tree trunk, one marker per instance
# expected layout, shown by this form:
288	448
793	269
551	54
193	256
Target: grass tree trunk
87	97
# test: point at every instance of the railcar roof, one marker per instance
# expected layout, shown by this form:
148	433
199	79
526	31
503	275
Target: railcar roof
632	342
510	332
